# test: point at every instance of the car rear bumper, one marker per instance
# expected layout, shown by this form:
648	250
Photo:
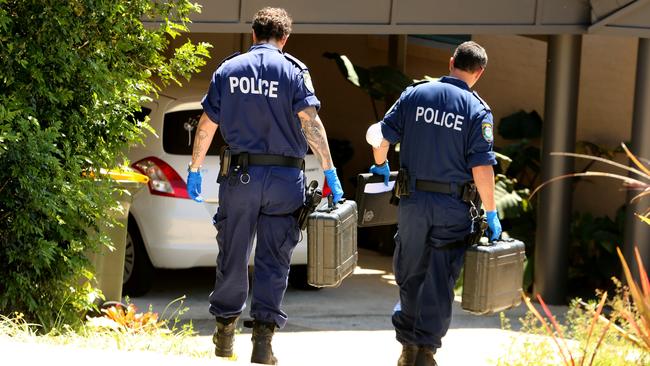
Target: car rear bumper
181	234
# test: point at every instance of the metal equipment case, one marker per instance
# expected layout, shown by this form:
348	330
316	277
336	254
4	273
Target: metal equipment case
373	198
493	276
331	244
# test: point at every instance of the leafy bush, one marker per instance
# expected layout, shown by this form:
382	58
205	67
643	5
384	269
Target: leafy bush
379	82
521	125
592	251
72	75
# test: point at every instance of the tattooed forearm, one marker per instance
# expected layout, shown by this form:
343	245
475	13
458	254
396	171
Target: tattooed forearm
200	148
316	136
204	133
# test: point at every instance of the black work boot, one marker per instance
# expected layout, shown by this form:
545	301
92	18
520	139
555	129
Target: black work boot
425	357
224	336
262	337
408	356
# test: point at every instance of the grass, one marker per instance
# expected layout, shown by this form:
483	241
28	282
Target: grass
122	329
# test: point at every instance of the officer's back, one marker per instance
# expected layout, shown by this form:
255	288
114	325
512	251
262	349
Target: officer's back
257	107
445	132
439	140
262	101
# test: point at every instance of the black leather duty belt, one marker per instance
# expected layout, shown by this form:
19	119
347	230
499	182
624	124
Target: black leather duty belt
270	160
437	187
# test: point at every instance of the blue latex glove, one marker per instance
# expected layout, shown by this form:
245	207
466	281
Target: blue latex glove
494	225
383	169
334	184
194	185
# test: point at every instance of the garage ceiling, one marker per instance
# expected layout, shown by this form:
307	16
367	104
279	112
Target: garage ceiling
620	17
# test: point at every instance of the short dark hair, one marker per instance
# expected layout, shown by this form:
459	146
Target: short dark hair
271	23
470	56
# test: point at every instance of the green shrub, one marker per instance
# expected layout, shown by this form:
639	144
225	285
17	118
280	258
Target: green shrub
592	252
72	74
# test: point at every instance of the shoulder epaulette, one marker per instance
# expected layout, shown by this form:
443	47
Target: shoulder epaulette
299	64
481	100
228	58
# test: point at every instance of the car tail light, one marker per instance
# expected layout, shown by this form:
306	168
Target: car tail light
163	179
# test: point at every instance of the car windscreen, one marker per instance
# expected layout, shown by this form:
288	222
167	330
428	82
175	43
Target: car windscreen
178	133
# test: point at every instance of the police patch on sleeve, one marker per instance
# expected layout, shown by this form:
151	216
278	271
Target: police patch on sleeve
307	78
488	134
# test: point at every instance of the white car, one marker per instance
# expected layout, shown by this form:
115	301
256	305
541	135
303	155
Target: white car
167	229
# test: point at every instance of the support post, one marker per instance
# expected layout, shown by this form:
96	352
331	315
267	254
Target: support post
245	42
559	134
397	51
397	59
637	233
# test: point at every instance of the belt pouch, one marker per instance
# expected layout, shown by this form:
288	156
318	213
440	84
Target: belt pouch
225	157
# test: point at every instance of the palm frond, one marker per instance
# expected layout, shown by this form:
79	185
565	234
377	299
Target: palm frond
603	160
646	192
641	297
643	274
557	327
600	341
547	327
592	326
644	218
625	179
629	336
635	160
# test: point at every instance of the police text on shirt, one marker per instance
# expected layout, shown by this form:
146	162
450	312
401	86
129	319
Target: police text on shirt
248	85
439	118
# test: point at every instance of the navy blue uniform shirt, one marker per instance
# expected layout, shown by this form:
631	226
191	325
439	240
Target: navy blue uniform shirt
255	98
444	128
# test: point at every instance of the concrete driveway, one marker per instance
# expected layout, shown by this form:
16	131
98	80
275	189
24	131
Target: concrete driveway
349	325
363	302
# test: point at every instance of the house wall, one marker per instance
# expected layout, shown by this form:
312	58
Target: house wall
608	71
515	80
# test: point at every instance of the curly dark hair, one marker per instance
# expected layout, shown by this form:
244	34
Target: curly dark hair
271	23
470	56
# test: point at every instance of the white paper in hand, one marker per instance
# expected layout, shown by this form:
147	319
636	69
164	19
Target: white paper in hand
378	187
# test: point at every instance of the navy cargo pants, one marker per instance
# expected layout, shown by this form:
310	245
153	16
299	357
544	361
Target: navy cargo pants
264	207
425	269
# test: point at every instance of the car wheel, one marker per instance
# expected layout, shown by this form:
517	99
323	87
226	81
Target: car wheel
298	278
138	270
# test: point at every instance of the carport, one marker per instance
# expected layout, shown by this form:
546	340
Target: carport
561	23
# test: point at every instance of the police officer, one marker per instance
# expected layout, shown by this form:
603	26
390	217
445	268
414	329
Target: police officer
264	102
445	131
